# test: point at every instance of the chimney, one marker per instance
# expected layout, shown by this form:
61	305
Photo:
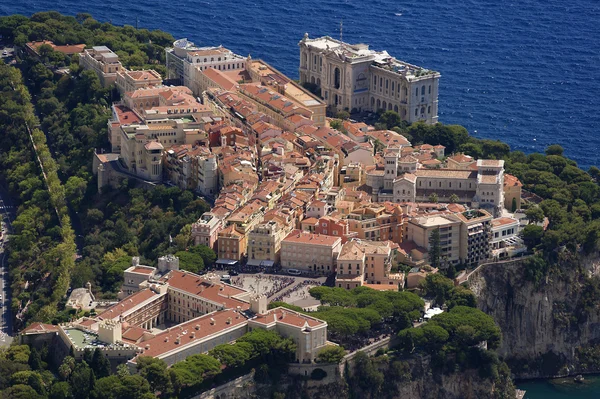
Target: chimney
229	320
212	321
193	335
166	339
197	327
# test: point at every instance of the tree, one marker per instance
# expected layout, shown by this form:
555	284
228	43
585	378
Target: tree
100	364
82	381
331	354
390	119
155	372
196	368
535	214
35	360
20	391
532	235
336	124
232	355
60	390
554	149
434	250
513	207
433	198
453	199
209	256
438	286
192	262
343	115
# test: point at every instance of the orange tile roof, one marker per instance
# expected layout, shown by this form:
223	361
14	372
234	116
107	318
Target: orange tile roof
192	332
216	292
128	303
286	316
39	328
297	236
503	221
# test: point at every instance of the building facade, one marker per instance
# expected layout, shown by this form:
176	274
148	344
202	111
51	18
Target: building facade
352	77
103	61
309	252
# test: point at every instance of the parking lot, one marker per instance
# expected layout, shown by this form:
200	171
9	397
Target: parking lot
6	52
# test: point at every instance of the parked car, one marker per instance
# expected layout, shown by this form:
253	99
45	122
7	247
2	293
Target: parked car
233	273
294	272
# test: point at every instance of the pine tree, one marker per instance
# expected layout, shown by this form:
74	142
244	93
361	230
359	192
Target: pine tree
434	248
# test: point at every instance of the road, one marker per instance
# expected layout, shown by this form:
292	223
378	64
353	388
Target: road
7	213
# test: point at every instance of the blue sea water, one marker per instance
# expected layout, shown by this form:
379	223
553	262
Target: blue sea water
526	72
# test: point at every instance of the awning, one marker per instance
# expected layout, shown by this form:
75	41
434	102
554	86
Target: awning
228	262
253	262
267	263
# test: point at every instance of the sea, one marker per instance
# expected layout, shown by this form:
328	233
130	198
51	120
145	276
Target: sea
563	388
525	72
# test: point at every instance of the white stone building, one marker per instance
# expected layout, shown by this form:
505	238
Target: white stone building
353	77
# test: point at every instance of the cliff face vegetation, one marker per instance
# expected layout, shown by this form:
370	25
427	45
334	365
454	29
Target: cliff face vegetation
550	326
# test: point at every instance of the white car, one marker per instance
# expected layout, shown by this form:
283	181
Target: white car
5	52
294	272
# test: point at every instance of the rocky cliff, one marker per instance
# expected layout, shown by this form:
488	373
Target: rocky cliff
550	328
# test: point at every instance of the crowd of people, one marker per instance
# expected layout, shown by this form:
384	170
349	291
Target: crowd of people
303	295
277	283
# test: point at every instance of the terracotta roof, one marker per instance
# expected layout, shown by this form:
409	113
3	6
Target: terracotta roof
447	173
503	221
461	158
39	328
286	316
128	304
297	236
191	332
216	292
510	180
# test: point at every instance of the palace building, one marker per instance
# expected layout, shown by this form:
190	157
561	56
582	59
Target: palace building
354	78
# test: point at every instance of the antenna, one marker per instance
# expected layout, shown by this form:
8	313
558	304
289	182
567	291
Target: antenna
341	30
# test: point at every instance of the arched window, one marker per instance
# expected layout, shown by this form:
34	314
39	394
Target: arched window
312	79
219	59
372	101
384	105
395	108
205	60
422	110
337	78
212	59
389	106
378	104
318	81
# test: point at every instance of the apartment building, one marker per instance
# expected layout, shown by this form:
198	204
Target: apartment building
404	180
505	240
231	244
103	61
127	81
354	78
475	236
420	228
312	253
363	262
206	230
267	75
264	243
193	168
376	222
184	59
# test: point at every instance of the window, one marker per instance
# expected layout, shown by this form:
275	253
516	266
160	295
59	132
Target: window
423	90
